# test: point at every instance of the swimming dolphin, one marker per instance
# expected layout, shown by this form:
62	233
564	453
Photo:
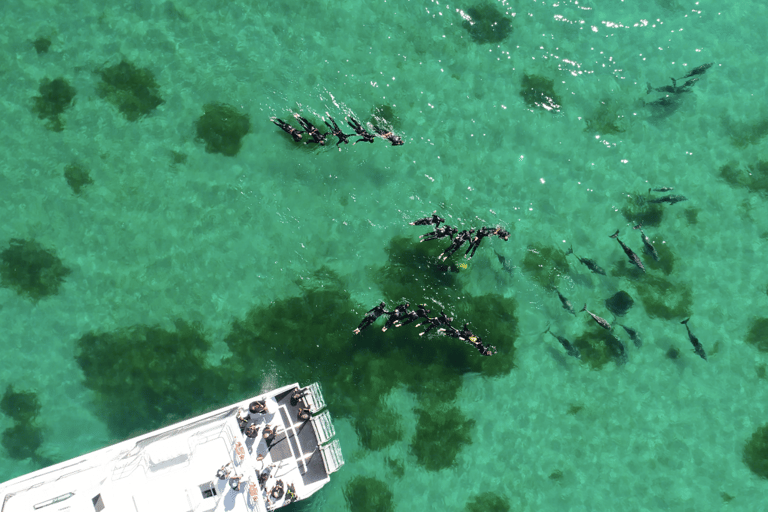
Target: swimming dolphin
649	248
601	321
504	263
672	89
617	347
697	348
566	303
590	264
634	258
669	199
662	189
633	336
567	345
698	71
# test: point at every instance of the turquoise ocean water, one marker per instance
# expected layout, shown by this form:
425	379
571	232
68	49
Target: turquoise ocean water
167	231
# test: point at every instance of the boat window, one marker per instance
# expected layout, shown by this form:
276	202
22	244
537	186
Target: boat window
208	489
57	499
98	504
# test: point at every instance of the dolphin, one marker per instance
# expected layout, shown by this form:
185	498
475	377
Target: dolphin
567	345
697	348
669	199
634	258
617	347
633	336
601	321
590	264
566	303
698	71
649	248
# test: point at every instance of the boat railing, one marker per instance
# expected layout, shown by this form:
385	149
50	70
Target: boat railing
314	398
323	427
332	457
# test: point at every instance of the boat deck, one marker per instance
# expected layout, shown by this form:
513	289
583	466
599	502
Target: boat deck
175	469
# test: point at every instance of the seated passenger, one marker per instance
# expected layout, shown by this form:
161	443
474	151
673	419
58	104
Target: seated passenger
277	491
297	395
252	431
223	472
290	494
258	407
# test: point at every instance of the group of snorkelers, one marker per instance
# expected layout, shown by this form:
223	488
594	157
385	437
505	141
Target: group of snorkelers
314	136
473	236
401	316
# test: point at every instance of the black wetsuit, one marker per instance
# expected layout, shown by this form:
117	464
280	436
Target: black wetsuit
426	221
464	236
312	131
414	315
436	322
335	130
400	311
503	234
452	332
475	243
362	132
390	136
371	316
445	231
487	351
293	132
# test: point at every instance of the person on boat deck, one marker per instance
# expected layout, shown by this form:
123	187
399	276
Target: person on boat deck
258	407
252	431
297	395
241	422
290	494
263	477
234	483
371	317
223	472
277	491
304	414
269	433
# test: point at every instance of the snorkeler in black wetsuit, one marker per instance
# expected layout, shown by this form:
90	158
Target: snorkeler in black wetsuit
475	243
290	130
487	351
436	322
371	317
450	331
464	236
400	311
426	221
503	234
412	316
312	131
390	136
445	231
362	132
335	130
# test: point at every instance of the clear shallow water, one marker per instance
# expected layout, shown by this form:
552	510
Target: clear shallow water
207	240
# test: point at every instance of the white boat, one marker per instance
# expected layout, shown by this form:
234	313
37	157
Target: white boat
256	455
